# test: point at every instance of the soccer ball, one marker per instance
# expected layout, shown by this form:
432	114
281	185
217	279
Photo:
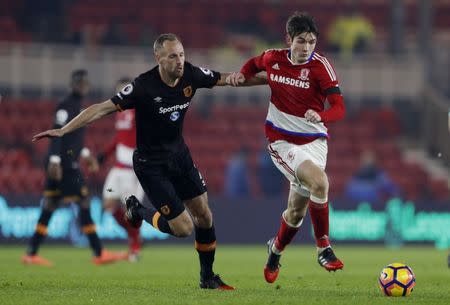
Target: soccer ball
397	280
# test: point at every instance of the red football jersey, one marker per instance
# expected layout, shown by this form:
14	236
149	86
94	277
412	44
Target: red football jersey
125	137
295	89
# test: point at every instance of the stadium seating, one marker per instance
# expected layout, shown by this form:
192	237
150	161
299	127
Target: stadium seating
212	140
211	24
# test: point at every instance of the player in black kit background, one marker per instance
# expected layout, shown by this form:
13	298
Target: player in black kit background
64	181
162	160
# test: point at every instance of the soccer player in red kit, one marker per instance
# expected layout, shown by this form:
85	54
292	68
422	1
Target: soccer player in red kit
121	180
301	80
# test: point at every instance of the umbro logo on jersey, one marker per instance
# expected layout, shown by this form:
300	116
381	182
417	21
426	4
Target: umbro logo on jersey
276	67
157	99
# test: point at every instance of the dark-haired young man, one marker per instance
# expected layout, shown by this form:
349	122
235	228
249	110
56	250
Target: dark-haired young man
301	80
64	181
162	161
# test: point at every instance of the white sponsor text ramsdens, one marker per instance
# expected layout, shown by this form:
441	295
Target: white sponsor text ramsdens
173	108
289	81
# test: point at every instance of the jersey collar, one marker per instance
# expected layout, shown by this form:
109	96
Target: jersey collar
288	55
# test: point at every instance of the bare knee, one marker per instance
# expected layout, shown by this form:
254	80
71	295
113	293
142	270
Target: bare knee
200	212
203	218
183	231
182	225
314	178
319	186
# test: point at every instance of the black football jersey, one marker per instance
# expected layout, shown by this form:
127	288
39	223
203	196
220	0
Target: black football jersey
68	147
160	109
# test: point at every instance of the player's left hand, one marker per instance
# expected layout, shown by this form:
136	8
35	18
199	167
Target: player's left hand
312	116
52	133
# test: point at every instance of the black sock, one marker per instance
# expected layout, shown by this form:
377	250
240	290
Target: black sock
153	217
205	243
88	228
40	232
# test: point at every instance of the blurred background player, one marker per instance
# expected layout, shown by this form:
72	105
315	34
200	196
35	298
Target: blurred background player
370	183
350	32
64	181
121	180
237	180
301	81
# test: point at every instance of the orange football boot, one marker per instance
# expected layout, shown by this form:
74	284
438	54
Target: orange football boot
108	257
36	260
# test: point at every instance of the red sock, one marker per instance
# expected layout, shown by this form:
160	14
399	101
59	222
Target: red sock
119	216
319	217
134	240
285	235
133	233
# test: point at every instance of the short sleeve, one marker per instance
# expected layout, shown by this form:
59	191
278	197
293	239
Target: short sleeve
204	78
129	95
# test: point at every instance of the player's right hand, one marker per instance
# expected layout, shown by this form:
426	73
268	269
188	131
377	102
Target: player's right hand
235	79
52	133
54	171
312	116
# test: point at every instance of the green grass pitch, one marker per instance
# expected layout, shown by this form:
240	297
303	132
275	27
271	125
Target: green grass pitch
169	275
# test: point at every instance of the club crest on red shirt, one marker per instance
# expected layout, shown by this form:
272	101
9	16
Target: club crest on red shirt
304	74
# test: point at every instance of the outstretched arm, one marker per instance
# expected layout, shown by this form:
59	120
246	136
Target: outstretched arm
90	114
248	76
238	79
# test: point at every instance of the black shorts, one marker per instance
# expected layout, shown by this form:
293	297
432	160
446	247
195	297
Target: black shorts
70	188
170	182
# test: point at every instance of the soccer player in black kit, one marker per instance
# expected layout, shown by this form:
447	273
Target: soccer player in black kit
162	160
64	181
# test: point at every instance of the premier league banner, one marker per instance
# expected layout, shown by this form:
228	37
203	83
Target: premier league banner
19	222
246	222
